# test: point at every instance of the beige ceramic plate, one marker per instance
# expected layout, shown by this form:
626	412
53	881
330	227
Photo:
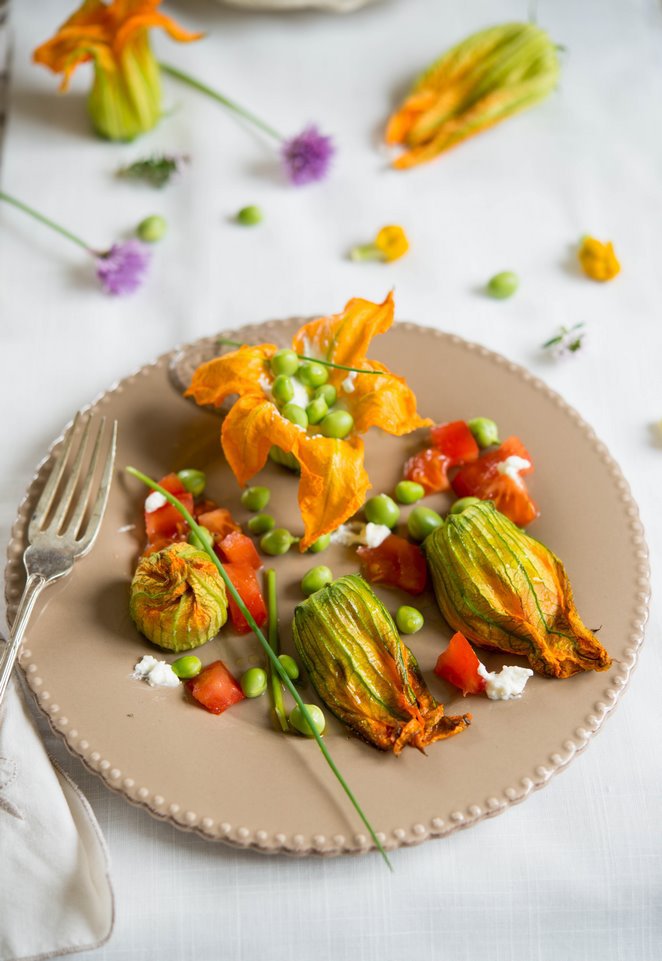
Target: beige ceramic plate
234	777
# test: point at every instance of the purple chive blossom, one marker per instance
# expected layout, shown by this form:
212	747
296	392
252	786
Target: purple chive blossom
121	269
307	156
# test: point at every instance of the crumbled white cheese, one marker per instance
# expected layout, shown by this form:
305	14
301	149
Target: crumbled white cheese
265	383
508	683
348	534
156	673
512	466
153	501
376	534
301	395
349	383
368	535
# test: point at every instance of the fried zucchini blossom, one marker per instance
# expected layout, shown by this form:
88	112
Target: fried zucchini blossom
178	598
506	591
364	672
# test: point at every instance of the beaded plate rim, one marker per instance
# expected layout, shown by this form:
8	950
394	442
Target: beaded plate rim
175	362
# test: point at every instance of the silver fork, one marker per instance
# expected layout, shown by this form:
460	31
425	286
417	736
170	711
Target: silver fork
59	530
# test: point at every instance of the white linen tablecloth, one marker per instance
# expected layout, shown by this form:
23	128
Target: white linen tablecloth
575	872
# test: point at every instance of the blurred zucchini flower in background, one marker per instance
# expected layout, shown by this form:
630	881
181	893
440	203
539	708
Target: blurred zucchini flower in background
125	99
488	77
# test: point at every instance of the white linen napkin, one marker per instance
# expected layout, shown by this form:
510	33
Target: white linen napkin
55	891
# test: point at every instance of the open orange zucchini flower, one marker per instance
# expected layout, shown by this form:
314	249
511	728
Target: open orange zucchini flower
333	481
125	99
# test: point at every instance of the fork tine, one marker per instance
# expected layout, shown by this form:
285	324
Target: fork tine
45	501
77	517
64	501
86	542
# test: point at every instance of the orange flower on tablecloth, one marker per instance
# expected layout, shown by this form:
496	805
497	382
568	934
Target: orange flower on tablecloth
333	481
125	99
598	260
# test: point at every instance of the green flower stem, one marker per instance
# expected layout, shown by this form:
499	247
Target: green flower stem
272	634
366	252
223	342
45	220
276	665
220	98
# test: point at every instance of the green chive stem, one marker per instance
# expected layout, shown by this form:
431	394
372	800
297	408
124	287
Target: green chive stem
272	634
278	667
44	220
224	342
220	98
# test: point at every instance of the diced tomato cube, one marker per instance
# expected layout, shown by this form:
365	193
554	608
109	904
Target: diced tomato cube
245	581
458	665
237	548
396	562
456	442
428	468
498	476
166	523
219	521
215	688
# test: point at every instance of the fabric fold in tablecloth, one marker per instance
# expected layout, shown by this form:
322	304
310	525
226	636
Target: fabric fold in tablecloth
55	891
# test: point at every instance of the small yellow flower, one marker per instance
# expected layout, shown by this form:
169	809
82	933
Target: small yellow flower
598	260
390	244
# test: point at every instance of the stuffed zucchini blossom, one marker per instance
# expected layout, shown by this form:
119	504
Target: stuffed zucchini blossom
333	482
178	598
125	99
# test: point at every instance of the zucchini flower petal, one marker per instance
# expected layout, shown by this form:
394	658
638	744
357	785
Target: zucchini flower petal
125	99
364	672
178	598
486	78
506	591
333	482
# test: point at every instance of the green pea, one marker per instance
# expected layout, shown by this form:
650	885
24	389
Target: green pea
284	362
254	682
255	498
313	374
282	389
290	666
261	523
337	424
207	539
278	541
422	521
409	620
300	724
316	410
503	285
408	492
152	229
285	459
485	431
295	414
320	544
193	480
328	392
382	509
315	579
185	667
463	503
249	216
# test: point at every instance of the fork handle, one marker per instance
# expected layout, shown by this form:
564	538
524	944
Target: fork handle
33	588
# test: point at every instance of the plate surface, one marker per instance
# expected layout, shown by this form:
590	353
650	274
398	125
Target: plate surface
233	777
